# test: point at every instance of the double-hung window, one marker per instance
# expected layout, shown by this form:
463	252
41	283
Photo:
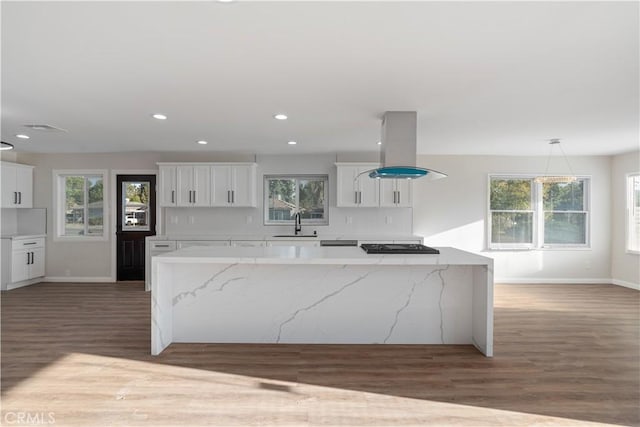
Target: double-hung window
286	195
633	213
525	214
80	209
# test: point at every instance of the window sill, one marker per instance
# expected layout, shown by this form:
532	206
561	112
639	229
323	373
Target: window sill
83	239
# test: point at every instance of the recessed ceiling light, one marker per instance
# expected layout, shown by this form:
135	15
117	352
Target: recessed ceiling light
201	142
22	136
226	1
379	142
280	117
159	116
5	146
292	142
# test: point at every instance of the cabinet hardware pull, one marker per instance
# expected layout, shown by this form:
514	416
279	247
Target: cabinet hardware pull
233	196
15	197
228	196
162	246
19	197
173	196
359	197
194	196
33	257
29	243
398	197
355	197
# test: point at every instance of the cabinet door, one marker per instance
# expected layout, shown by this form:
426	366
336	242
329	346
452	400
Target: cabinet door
388	193
24	187
19	266
347	187
36	269
8	175
220	185
369	190
167	186
184	185
201	188
404	198
243	190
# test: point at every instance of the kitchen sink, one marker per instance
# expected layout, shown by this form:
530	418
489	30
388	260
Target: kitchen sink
296	235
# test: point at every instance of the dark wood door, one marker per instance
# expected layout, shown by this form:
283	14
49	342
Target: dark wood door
136	199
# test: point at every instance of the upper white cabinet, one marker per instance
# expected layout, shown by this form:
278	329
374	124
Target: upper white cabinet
355	190
193	185
17	185
395	193
167	190
233	185
207	184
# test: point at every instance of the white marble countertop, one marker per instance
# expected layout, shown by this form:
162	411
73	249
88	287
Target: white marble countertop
22	236
261	237
316	255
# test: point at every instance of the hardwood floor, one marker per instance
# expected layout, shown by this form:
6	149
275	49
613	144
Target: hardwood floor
78	354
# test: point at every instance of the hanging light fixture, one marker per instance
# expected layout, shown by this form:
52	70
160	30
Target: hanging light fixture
4	146
555	179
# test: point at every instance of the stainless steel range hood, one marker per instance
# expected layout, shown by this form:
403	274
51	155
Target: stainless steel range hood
399	147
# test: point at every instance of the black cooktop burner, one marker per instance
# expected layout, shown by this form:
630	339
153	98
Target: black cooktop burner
397	248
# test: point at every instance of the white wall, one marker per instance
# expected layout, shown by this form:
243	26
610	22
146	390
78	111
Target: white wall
625	267
453	211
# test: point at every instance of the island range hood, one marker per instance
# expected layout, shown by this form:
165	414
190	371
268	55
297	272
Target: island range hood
399	148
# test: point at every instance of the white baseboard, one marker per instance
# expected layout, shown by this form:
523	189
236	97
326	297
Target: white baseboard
635	286
72	279
551	281
12	286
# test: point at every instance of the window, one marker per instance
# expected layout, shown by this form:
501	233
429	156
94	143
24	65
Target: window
528	215
633	213
285	195
80	205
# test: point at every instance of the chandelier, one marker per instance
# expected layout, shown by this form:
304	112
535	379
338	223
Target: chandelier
552	178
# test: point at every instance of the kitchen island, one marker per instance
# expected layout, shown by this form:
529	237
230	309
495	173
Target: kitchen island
321	295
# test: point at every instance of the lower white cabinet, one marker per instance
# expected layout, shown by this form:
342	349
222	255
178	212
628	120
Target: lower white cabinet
248	243
23	261
293	243
190	243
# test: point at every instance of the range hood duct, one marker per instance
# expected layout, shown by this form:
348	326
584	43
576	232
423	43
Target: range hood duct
399	148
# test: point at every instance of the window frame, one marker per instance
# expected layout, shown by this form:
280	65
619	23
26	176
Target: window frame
59	203
629	213
297	177
538	217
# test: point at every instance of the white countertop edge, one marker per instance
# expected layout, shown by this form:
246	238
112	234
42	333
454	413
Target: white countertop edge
264	237
22	236
316	255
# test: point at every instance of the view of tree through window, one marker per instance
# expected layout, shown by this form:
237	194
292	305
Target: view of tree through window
135	203
511	211
84	210
564	213
290	194
528	214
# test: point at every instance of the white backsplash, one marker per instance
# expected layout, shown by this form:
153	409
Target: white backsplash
382	221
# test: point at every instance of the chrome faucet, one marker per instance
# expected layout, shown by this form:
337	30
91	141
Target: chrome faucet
297	222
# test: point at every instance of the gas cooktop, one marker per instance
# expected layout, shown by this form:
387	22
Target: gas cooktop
397	248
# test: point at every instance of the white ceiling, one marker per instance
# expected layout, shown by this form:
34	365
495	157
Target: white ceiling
485	77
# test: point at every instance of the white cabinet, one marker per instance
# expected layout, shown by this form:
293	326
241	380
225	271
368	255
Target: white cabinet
17	185
23	261
167	190
248	243
191	243
153	248
355	188
395	193
293	243
193	185
233	185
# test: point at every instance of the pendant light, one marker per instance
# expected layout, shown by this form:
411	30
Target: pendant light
556	179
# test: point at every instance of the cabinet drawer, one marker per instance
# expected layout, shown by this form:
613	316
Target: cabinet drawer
190	243
18	244
162	245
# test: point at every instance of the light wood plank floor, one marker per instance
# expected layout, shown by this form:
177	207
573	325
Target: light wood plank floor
78	354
